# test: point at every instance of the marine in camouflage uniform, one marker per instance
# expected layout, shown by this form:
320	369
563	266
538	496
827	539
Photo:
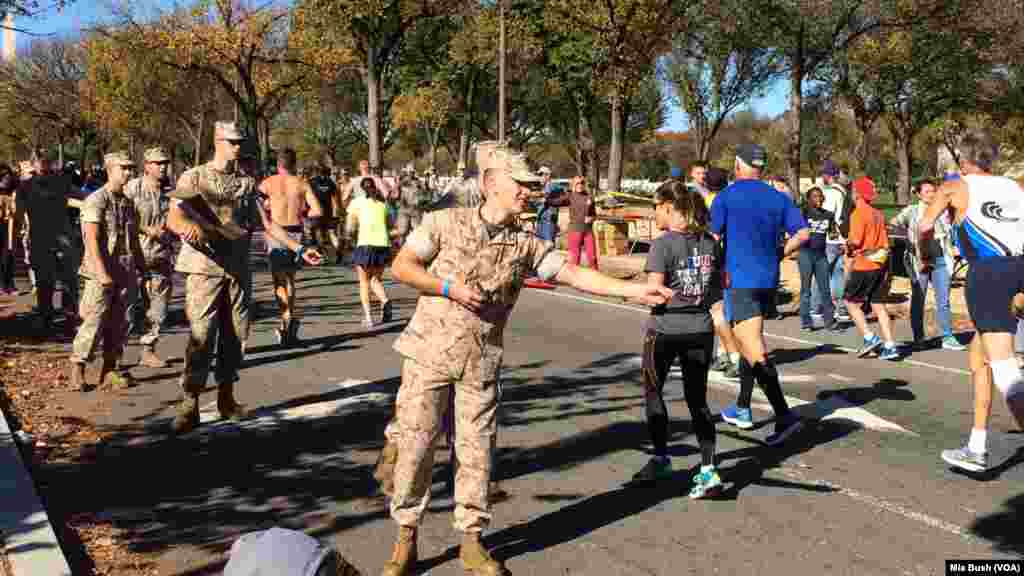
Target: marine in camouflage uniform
149	195
412	201
208	211
54	250
469	265
109	275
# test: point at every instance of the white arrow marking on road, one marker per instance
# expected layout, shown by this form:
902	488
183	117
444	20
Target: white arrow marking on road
834	406
373	397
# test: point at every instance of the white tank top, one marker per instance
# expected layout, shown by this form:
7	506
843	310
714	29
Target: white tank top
993	226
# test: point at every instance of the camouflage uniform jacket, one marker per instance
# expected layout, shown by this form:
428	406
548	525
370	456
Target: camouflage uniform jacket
226	193
458	246
151	212
115	214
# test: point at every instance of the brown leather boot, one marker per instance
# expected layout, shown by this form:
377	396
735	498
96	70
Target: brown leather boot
78	378
226	405
385	470
149	359
404	557
188	414
476	559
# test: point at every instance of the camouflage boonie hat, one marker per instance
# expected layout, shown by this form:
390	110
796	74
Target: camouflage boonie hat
156	154
119	158
492	155
227	131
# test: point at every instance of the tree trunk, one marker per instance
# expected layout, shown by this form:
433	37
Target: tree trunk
197	139
904	144
433	135
581	153
60	153
594	164
796	83
863	150
373	109
615	151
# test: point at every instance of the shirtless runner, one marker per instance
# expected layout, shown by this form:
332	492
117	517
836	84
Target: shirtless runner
289	196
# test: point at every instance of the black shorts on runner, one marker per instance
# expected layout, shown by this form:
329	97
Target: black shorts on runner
991	285
865	286
750	303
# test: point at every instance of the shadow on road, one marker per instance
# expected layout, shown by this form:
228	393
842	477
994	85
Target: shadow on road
794	355
1003	528
884	389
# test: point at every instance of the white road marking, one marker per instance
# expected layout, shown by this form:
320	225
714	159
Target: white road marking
768	334
314	410
882	504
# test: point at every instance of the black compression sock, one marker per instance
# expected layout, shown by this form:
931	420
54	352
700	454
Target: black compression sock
768	378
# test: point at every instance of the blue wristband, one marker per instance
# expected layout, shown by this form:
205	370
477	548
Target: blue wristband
444	289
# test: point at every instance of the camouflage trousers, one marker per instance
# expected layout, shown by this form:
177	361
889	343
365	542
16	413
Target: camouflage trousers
420	408
104	312
154	298
218	313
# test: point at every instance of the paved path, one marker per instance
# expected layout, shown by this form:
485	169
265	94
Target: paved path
860	491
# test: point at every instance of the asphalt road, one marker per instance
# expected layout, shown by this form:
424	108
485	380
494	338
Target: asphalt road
860	491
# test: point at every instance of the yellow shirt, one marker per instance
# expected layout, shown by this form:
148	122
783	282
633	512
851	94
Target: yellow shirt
709	199
373	222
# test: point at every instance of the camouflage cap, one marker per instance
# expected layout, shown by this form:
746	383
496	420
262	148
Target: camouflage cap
118	158
227	131
156	154
492	155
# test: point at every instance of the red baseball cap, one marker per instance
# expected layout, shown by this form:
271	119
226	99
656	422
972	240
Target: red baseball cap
865	187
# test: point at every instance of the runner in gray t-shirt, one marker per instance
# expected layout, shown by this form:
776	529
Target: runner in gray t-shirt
687	259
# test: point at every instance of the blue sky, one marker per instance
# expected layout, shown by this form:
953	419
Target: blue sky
82	13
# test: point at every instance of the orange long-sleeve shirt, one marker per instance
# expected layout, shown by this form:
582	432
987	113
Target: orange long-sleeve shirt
867	233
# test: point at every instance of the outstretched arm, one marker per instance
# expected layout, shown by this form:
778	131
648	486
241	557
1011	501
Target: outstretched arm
590	280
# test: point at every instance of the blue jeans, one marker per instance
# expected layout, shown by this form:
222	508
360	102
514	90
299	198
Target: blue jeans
814	266
836	278
939	279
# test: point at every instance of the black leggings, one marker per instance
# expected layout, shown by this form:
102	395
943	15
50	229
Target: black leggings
694	352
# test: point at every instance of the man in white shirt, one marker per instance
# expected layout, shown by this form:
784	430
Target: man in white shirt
835	245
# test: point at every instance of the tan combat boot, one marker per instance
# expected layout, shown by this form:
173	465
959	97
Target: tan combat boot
187	418
385	470
226	405
78	378
404	556
475	558
149	359
119	380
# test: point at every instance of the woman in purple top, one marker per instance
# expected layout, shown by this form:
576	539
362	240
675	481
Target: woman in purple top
813	259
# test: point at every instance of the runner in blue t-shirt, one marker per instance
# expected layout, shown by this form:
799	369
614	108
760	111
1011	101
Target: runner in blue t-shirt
752	215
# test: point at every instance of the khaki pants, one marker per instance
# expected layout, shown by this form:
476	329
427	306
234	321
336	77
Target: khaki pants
420	408
217	311
104	312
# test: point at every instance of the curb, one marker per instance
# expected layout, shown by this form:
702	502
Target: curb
27	538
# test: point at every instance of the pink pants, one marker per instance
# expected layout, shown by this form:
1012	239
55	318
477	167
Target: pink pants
584	240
